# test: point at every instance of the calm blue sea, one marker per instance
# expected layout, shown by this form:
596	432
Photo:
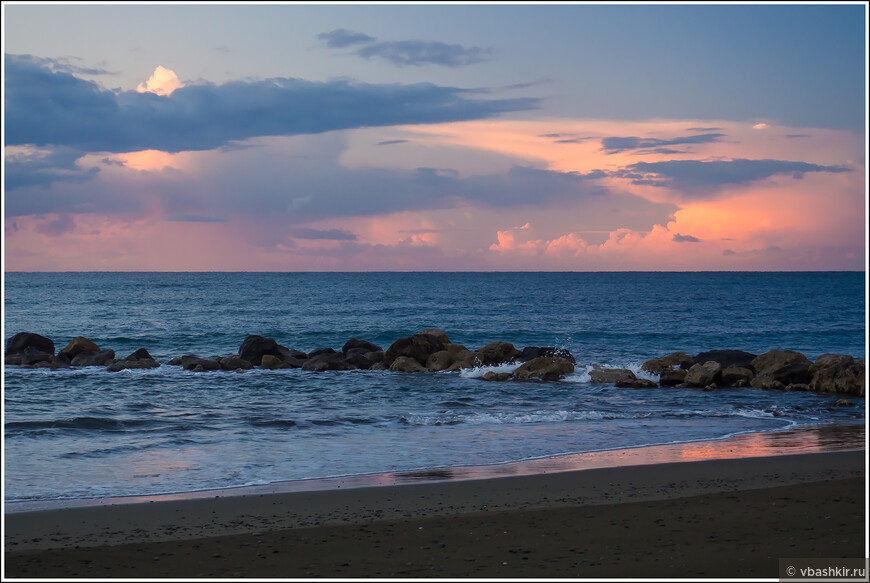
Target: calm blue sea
89	433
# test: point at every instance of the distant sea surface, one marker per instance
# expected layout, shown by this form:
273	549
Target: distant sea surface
90	433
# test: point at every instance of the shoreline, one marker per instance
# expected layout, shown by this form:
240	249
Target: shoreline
714	517
784	441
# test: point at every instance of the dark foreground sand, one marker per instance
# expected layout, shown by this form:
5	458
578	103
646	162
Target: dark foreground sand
716	518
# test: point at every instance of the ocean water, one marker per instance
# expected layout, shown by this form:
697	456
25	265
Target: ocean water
89	433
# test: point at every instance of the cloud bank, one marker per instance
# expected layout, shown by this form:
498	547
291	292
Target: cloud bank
406	52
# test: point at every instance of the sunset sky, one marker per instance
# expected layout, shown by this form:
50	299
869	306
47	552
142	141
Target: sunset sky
298	137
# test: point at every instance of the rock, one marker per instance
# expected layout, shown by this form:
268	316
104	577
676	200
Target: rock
797	387
655	366
496	353
532	352
419	347
32	355
175	361
611	375
461	358
727	358
378	366
271	362
406	364
290	355
139	355
358	358
440	360
780	367
322	351
495	376
77	345
22	340
731	376
41	364
196	364
701	375
842	403
139	363
327	361
637	384
12	359
838	373
254	347
91	358
356	343
60	361
672	378
547	368
375	357
678	359
438	333
235	363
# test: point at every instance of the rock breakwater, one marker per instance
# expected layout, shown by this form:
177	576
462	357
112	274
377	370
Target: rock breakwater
431	351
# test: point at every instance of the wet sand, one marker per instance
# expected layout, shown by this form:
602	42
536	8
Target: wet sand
714	518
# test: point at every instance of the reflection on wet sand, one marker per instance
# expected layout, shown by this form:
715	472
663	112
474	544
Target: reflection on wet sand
820	438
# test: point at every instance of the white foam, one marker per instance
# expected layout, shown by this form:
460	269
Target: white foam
581	373
479	371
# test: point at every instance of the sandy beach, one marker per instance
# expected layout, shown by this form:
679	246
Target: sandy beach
714	518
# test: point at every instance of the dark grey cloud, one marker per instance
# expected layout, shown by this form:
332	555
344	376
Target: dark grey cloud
62	224
342	38
188	218
702	129
327	234
792	136
729	252
698	176
391	142
45	107
685	238
418	52
64	65
45	167
615	144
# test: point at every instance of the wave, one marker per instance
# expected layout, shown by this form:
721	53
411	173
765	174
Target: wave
89	423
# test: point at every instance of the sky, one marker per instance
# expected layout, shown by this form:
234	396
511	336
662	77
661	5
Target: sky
434	137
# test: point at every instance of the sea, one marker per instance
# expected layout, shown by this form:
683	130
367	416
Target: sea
87	433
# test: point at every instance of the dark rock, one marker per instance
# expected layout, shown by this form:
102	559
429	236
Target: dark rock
842	403
672	378
270	362
358	358
321	351
356	343
33	356
655	366
406	364
196	364
138	363
22	340
419	347
91	358
678	359
327	361
702	375
440	360
140	355
495	376
290	355
235	363
378	366
496	353
838	373
532	352
777	368
797	387
77	345
636	384
12	359
177	361
254	347
611	375
438	333
727	358
60	361
731	376
375	357
548	368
